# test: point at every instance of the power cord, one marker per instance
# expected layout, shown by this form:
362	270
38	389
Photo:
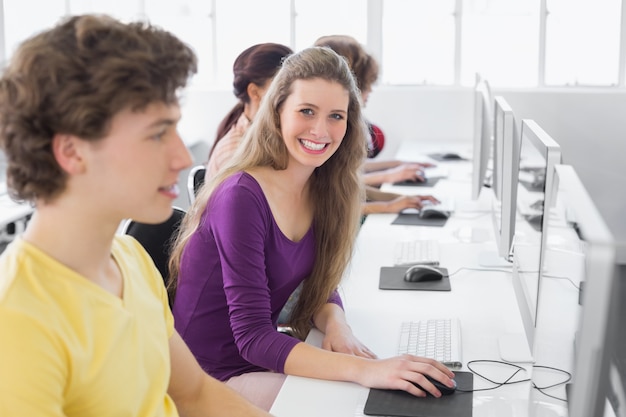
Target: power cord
565	278
507	381
556	384
517	369
478	269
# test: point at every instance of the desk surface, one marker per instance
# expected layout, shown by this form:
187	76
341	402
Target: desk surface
484	300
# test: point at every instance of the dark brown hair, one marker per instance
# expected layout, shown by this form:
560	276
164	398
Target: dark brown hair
363	65
73	79
256	65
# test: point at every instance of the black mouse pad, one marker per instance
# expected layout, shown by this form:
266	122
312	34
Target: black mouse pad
440	158
413	219
392	278
402	404
430	182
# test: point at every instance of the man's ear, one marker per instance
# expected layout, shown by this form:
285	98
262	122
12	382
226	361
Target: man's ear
66	150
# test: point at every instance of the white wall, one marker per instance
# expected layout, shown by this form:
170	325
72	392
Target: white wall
589	124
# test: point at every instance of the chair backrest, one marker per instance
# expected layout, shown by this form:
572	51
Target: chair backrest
195	181
157	238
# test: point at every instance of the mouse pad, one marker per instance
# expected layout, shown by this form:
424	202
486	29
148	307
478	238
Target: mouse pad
402	404
413	219
392	278
430	182
439	157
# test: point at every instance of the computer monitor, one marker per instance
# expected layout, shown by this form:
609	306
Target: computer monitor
483	125
533	173
579	248
505	160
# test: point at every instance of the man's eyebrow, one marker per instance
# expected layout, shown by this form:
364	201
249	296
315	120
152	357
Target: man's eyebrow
163	121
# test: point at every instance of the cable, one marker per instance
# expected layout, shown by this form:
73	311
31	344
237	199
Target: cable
565	278
556	384
518	369
478	269
498	384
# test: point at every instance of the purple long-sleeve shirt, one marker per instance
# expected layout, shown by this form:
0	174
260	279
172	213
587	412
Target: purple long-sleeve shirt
237	272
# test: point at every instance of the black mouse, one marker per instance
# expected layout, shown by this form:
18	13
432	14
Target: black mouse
433	213
444	389
450	156
422	273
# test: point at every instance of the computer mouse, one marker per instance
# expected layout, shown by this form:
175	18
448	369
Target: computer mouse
450	156
433	213
444	389
422	273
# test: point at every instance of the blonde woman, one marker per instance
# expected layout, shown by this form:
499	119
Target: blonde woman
285	211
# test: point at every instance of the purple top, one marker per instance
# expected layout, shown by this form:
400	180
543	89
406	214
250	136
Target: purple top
236	274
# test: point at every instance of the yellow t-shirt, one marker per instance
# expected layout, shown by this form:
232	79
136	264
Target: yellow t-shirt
70	348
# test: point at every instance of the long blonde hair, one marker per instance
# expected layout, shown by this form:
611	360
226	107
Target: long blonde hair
336	187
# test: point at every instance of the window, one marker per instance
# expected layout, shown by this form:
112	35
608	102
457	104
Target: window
243	23
423	51
583	42
500	40
512	43
314	19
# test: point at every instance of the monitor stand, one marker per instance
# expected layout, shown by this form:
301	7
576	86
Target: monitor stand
473	234
491	259
514	348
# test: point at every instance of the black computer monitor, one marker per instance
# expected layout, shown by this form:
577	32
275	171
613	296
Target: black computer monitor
533	174
483	125
581	249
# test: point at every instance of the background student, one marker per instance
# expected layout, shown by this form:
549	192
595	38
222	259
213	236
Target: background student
253	71
285	211
88	116
377	172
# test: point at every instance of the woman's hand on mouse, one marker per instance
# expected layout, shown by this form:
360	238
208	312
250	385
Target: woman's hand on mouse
403	372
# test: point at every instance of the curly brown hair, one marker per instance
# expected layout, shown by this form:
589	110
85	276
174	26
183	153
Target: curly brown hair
72	79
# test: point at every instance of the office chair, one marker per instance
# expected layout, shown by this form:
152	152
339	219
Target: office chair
195	181
157	239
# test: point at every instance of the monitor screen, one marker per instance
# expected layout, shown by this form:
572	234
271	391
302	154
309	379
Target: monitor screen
505	160
538	155
580	248
483	125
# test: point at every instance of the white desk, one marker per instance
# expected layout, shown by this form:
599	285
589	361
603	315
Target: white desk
484	301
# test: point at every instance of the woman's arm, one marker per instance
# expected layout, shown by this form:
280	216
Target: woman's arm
404	172
331	320
343	357
373	165
198	394
395	373
383	202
